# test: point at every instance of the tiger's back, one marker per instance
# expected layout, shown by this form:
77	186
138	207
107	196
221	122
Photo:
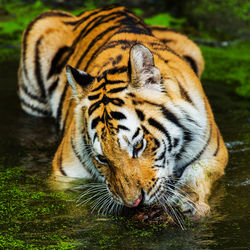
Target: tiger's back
138	79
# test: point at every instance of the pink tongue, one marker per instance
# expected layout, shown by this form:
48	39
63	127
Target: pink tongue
135	204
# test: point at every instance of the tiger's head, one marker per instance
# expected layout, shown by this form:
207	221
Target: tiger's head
125	134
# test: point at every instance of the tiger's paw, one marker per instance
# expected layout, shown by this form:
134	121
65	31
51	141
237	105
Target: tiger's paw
195	210
191	206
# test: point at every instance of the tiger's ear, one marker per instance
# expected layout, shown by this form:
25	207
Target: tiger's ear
143	71
79	80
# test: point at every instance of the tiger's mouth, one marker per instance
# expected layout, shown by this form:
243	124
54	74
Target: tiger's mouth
138	202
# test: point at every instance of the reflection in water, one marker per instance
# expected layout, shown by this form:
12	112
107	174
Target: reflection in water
33	211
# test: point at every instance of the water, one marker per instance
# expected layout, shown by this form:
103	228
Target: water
32	214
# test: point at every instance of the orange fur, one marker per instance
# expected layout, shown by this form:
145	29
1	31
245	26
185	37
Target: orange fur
57	38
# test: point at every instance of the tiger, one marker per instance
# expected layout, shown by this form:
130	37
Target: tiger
129	104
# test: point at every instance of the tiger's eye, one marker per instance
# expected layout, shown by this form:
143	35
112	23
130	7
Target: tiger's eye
102	159
139	145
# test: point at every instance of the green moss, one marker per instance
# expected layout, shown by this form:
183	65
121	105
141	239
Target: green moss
29	217
229	65
19	15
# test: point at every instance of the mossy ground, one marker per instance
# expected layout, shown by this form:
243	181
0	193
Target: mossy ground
30	217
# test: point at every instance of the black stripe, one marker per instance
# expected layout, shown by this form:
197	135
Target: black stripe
158	46
191	120
91	14
74	149
29	28
105	100
176	142
52	87
100	48
131	94
93	107
94	41
160	127
82	34
159	166
116	90
180	171
218	144
134	30
37	72
161	156
117	101
185	94
95	136
166	40
63	63
83	79
140	114
66	116
95	122
55	67
192	64
60	163
117	115
157	144
94	24
116	70
85	31
136	133
99	87
123	127
125	44
171	117
35	109
145	130
93	97
60	106
187	139
117	60
77	23
98	19
156	191
113	81
32	96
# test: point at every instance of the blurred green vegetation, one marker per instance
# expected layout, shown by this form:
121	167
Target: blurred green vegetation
165	19
230	65
210	20
223	19
16	18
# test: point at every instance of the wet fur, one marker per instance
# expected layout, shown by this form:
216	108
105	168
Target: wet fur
155	86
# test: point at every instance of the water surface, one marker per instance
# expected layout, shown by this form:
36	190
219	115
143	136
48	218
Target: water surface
33	215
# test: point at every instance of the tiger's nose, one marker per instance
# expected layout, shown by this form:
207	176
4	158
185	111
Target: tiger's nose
135	203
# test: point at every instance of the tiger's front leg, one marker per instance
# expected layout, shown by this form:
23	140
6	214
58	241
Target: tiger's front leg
193	188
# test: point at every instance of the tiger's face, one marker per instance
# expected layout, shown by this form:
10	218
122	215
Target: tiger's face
130	158
131	145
